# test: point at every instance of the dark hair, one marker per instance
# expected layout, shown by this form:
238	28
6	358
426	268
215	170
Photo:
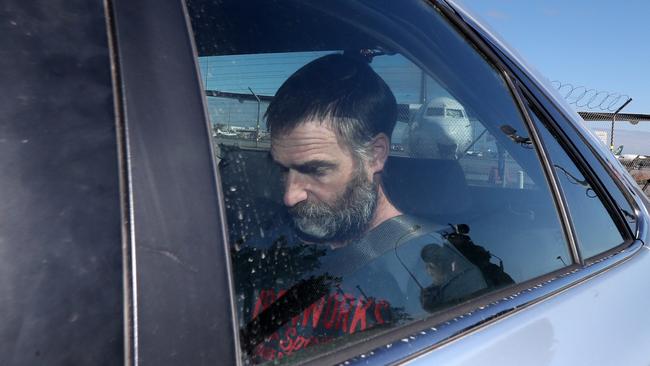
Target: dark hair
339	86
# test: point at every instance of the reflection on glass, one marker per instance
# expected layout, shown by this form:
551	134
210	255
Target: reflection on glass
297	294
575	180
294	295
595	230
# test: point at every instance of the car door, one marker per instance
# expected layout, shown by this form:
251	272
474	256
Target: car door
60	231
194	80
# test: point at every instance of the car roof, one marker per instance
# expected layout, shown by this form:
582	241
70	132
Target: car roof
261	26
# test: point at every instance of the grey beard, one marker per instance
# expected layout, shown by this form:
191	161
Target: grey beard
346	219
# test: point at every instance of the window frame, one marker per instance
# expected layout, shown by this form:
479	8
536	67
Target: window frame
549	173
178	295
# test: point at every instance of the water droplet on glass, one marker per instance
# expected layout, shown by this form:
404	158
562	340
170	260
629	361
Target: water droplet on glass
250	259
253	270
263	255
405	340
233	189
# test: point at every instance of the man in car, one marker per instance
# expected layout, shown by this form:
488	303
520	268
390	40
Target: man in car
330	126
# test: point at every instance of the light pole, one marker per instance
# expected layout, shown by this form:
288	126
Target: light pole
611	135
259	102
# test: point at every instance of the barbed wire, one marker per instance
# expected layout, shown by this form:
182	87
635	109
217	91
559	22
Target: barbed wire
590	98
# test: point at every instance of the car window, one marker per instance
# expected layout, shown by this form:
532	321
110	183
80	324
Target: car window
454	113
435	112
370	235
595	230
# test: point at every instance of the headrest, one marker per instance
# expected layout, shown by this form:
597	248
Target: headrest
431	188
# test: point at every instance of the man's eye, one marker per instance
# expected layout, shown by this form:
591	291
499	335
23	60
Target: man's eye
314	171
319	172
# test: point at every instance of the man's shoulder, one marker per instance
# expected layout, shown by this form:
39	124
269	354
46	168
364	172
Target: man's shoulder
418	225
383	240
403	227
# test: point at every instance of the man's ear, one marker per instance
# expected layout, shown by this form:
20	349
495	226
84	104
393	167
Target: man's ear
380	147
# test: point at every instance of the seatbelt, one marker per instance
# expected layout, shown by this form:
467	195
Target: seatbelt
389	235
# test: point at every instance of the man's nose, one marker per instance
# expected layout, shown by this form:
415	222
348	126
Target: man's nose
294	189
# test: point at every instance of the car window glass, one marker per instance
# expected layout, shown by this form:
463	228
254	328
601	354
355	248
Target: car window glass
595	230
487	163
472	209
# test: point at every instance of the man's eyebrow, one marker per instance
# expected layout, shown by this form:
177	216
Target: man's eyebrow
310	166
314	165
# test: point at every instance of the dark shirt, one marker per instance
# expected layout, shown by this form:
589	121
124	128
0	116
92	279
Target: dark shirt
404	269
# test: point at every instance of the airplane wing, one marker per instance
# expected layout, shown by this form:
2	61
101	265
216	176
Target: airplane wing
239	96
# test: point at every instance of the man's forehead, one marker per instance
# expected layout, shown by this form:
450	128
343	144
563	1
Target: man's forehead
316	136
306	136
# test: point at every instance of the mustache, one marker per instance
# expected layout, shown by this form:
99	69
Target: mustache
308	209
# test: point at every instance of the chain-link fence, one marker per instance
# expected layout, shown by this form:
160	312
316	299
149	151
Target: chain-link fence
639	168
603	111
627	139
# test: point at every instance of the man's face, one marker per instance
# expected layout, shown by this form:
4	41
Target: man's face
329	192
